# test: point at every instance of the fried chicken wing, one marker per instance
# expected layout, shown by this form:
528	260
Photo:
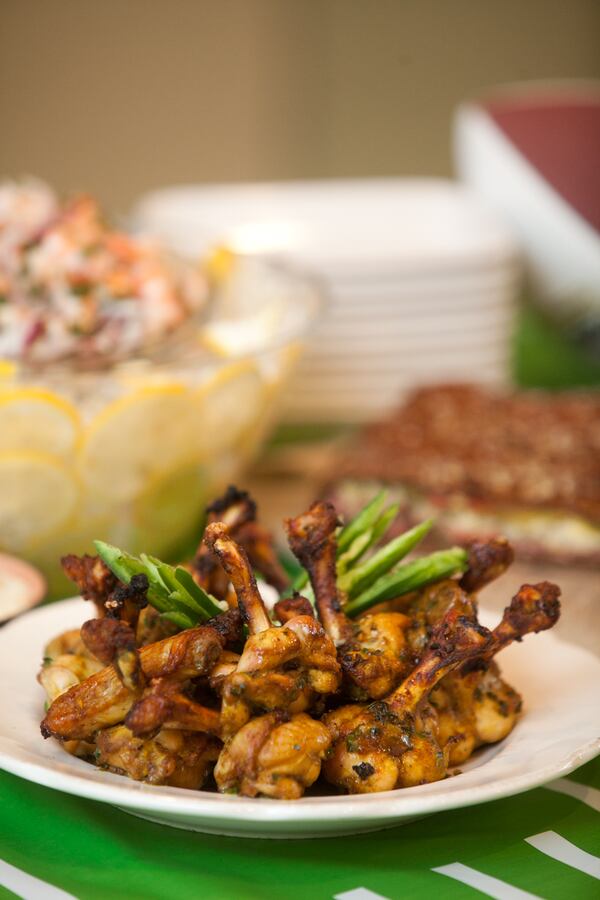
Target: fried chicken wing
475	705
237	510
296	605
177	758
392	743
230	625
429	607
165	705
535	607
67	662
377	657
126	601
487	561
235	562
93	578
274	757
373	651
113	641
65	672
311	537
103	700
282	668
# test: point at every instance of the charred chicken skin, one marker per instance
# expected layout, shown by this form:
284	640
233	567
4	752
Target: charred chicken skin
93	578
237	510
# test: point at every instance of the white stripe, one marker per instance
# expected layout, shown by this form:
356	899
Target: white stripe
27	887
588	795
360	893
557	847
493	887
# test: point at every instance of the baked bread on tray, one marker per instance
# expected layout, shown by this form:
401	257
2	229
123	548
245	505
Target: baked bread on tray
523	464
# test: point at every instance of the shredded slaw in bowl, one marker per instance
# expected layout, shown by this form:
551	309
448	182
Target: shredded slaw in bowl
71	287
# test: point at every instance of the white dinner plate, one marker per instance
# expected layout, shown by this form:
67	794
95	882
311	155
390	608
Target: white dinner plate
559	731
335	226
415	307
426	334
454	280
443	290
387	360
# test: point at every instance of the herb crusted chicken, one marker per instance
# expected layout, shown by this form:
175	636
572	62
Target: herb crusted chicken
370	673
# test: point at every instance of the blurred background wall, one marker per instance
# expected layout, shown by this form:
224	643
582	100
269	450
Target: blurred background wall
120	97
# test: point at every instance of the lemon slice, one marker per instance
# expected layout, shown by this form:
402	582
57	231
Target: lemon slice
137	438
38	420
228	405
38	495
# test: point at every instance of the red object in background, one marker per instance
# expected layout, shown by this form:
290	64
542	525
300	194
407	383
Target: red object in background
559	134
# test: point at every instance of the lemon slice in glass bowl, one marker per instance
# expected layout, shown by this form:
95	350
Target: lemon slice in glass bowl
136	438
227	406
35	419
39	496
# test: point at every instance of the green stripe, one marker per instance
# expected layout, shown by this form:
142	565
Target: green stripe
588	774
5	894
94	851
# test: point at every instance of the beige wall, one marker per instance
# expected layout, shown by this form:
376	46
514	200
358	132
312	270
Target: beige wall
119	96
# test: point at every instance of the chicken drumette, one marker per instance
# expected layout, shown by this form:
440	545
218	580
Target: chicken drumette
174	757
75	656
282	668
392	743
104	699
111	598
283	671
487	560
237	510
274	755
373	651
475	705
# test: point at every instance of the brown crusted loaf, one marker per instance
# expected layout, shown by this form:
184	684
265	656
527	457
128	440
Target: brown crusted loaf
488	462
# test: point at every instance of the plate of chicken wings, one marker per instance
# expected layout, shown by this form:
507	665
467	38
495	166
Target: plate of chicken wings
225	695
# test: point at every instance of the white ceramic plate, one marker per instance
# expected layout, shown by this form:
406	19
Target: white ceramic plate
455	289
417	308
559	731
334	226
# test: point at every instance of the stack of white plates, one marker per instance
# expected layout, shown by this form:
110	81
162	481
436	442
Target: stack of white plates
420	280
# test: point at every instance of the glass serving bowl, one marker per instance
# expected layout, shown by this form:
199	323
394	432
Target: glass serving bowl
131	452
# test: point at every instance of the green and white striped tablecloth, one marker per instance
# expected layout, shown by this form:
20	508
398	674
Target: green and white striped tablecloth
545	843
